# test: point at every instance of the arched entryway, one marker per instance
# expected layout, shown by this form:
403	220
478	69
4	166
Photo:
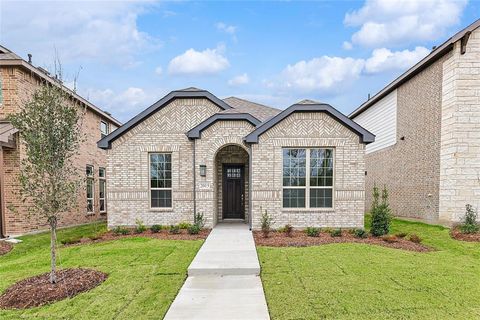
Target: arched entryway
232	183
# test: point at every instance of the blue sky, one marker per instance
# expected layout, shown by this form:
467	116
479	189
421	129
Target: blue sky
131	53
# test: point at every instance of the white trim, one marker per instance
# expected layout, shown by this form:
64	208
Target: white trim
307	186
150	188
92	179
104	179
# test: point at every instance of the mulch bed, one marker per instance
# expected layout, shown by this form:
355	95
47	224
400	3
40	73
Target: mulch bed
470	237
38	291
300	239
5	247
163	234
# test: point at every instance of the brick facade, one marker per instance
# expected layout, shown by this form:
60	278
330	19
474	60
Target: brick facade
18	85
220	143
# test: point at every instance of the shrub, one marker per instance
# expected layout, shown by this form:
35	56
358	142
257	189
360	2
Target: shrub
415	238
389	238
199	220
401	235
120	231
140	227
266	222
156	228
360	233
287	229
68	241
312	232
327	230
193	229
174	229
469	223
184	225
381	215
336	233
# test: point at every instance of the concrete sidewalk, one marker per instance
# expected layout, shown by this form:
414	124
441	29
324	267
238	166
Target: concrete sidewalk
223	279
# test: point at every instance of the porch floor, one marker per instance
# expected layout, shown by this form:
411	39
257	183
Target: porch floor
223	279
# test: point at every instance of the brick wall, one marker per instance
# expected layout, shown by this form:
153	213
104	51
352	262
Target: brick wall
460	131
410	169
18	86
309	130
128	166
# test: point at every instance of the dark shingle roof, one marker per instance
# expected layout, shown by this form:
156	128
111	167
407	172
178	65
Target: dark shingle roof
259	111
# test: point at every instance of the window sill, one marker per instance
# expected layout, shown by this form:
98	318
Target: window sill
90	213
103	213
161	209
307	209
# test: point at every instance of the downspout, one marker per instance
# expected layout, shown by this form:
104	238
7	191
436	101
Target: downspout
2	196
194	183
250	172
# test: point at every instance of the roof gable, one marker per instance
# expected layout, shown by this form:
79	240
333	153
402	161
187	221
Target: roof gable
196	132
365	135
106	142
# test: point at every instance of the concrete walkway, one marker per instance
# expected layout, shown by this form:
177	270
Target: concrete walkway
223	279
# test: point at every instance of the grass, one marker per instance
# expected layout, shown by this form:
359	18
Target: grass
144	275
359	281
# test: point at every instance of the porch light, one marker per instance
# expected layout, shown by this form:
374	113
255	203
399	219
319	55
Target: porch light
203	170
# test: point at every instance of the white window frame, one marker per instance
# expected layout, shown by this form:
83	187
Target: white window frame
150	185
307	186
90	178
104	180
102	134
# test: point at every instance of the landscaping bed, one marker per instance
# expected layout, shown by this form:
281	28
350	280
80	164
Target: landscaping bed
38	291
457	234
5	247
162	234
301	239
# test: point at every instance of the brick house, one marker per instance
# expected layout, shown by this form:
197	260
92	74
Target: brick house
18	80
427	127
233	159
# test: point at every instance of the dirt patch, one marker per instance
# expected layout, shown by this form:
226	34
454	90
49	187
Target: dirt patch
38	291
300	239
5	247
470	237
163	234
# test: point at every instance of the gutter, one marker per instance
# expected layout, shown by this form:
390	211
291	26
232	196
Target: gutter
250	172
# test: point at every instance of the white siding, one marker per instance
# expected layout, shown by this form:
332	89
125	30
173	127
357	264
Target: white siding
381	120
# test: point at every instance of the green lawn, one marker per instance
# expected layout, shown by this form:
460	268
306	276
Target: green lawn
144	275
357	281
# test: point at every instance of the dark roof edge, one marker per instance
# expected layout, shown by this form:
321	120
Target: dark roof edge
106	142
420	66
365	135
196	132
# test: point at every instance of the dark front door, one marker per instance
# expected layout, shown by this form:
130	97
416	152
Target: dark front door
233	192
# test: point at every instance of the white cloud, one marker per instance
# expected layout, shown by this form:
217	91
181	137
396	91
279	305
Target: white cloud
330	74
397	22
226	28
383	59
323	74
80	30
208	61
239	80
159	70
347	45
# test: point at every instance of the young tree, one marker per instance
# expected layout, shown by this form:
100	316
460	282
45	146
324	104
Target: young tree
50	130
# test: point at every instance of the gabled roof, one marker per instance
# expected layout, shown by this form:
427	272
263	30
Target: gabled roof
196	132
259	111
106	142
9	58
311	106
436	54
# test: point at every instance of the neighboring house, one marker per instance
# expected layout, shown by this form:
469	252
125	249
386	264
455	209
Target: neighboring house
18	80
427	127
234	159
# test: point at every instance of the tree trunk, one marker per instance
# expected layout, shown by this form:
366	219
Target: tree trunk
53	252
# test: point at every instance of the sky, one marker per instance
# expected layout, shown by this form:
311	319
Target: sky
125	55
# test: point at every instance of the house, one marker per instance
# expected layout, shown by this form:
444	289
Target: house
427	127
233	159
18	80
